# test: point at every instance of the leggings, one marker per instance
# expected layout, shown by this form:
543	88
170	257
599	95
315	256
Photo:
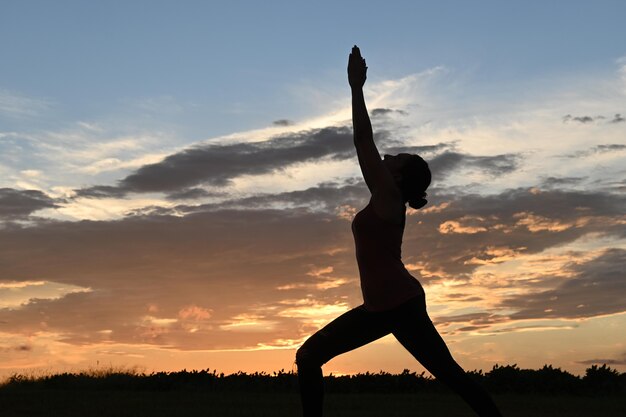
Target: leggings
411	326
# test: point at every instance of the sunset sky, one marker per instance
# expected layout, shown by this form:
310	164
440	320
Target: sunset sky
177	179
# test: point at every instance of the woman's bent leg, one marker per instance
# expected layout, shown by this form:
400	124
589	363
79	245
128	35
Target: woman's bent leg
349	331
419	336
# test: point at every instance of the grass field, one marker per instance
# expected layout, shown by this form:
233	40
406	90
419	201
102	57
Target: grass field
127	403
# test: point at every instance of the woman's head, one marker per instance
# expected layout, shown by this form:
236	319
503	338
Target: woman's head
412	175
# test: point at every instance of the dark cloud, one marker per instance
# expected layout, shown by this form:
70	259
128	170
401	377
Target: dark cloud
608	361
282	122
462	296
617	118
477	319
612	147
19	204
217	165
471	328
443	164
598	149
190	194
590	291
617	186
594	289
443	159
379	112
329	197
581	119
101	191
558	182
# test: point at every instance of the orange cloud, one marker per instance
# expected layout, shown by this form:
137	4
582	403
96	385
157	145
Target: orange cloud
495	255
536	223
193	312
453	226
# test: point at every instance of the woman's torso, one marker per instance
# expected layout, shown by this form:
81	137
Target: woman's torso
385	282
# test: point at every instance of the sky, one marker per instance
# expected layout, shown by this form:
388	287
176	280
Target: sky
177	180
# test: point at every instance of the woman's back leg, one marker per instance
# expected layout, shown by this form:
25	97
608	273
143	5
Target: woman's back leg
419	336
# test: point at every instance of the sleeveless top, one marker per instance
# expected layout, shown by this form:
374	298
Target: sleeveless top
385	282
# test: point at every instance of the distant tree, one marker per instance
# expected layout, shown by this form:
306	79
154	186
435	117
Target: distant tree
554	380
602	380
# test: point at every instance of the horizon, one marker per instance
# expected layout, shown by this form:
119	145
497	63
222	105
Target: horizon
178	182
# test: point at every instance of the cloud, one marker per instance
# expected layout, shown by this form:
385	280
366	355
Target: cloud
581	119
617	118
590	292
330	197
583	287
526	220
248	264
443	160
598	149
217	165
194	312
559	182
609	148
19	204
190	194
609	361
282	122
443	164
179	174
381	112
101	191
227	262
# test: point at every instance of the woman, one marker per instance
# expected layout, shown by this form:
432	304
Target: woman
394	301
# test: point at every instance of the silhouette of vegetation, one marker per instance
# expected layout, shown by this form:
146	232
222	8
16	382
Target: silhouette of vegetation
131	393
597	381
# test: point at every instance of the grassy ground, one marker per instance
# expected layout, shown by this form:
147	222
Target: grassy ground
121	403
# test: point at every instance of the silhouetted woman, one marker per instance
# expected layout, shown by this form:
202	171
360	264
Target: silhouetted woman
394	301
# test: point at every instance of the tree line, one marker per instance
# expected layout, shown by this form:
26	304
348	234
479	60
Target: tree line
597	381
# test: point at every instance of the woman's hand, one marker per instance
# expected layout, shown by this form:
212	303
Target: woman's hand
357	70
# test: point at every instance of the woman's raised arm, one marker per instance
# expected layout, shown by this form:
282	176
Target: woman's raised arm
377	177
